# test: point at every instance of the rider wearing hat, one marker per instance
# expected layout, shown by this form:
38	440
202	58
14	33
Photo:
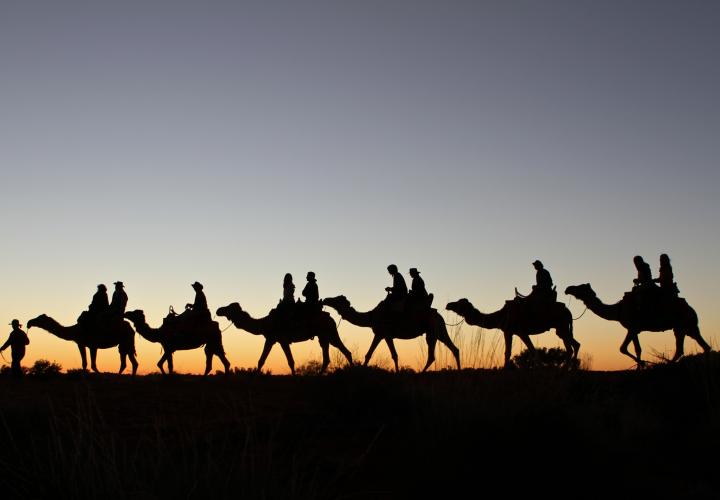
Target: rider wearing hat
310	292
119	299
17	341
200	306
417	287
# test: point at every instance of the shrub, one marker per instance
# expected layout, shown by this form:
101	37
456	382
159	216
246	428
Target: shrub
544	358
44	368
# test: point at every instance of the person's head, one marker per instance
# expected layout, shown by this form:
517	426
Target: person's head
392	269
102	288
664	259
310	276
197	286
638	260
118	285
15	323
287	279
414	272
537	264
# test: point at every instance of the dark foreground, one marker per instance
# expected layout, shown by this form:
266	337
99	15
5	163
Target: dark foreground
360	434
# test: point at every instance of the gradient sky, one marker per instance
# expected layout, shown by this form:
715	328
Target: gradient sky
163	142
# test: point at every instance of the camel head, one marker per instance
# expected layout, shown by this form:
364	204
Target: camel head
582	292
231	310
460	307
38	322
340	302
137	316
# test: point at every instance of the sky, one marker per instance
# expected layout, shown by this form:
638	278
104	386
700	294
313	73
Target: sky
162	142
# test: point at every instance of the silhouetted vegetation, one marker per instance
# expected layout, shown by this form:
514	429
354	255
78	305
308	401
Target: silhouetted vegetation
543	357
365	433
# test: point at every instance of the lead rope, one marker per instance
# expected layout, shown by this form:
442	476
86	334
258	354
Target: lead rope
581	314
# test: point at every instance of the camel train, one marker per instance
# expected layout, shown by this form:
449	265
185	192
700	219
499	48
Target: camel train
403	314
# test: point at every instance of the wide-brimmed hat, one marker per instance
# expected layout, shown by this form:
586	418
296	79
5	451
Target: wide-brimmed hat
414	271
15	322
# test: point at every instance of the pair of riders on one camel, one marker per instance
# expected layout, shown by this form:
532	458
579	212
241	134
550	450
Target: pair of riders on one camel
101	311
645	291
399	299
296	312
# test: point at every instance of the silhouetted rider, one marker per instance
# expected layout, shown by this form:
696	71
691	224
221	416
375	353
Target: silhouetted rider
666	279
417	287
199	308
644	278
310	292
399	289
99	302
119	299
543	280
288	290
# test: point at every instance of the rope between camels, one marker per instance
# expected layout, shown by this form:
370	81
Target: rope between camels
581	314
456	324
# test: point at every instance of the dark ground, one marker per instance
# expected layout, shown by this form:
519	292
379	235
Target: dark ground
365	433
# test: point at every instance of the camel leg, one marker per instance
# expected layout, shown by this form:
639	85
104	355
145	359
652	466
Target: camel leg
161	363
694	333
123	362
220	353
134	363
431	342
83	356
679	344
289	356
393	352
508	348
337	343
530	346
169	357
93	360
265	353
325	346
373	345
445	339
632	337
208	360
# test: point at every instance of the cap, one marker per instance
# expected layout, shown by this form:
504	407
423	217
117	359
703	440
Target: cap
196	285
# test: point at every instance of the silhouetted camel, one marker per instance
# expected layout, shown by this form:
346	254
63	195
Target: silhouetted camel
678	316
387	326
181	339
114	333
276	330
512	320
